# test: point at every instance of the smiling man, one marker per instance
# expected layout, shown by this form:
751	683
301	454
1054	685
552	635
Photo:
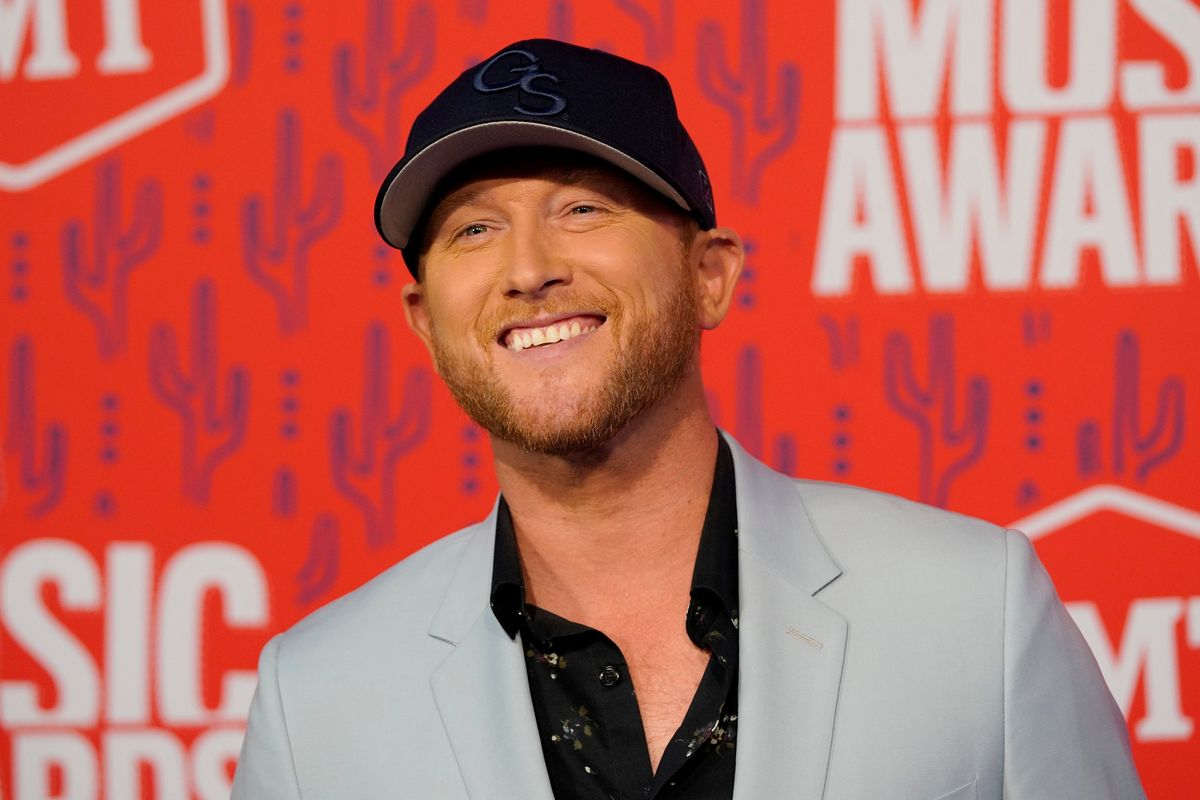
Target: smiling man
649	612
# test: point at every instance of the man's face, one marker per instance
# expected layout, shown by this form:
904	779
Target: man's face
559	302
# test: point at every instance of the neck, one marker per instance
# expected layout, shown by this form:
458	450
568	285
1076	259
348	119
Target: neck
620	523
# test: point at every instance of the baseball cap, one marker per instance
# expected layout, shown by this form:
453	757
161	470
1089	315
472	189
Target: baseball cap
543	92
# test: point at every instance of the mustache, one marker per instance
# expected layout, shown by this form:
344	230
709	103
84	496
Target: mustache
561	303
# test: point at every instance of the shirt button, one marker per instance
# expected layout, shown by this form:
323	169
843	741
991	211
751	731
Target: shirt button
609	676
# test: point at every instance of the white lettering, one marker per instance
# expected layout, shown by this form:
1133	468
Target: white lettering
69	568
974	202
916	57
1092	62
1149	649
51	56
1167	198
126	752
123	48
129	570
1193	623
1143	83
1089	207
860	215
212	753
189	575
35	757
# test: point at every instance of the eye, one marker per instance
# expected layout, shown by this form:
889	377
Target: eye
474	229
583	208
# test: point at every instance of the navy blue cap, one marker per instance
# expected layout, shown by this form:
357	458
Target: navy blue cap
542	92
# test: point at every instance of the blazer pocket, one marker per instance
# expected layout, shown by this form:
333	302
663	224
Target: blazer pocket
962	793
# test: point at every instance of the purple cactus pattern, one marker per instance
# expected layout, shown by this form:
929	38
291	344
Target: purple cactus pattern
561	24
1142	449
748	423
763	125
96	272
41	453
276	251
1089	462
241	25
284	492
320	567
951	438
1154	446
368	86
843	341
364	467
657	21
211	430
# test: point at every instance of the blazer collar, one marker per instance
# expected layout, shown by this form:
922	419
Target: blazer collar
481	690
467	594
791	645
792	648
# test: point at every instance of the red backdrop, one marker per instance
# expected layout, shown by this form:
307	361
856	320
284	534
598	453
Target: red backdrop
972	280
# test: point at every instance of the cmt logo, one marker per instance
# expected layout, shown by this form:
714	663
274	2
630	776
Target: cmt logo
74	85
1127	565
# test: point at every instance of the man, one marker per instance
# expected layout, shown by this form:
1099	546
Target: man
784	638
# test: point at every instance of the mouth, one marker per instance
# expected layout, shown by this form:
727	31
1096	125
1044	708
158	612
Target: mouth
542	333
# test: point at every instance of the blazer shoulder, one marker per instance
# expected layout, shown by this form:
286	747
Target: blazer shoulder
402	599
854	519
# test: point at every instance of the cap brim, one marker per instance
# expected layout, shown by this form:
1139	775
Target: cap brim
404	195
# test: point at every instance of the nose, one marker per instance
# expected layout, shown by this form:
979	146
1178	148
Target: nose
532	266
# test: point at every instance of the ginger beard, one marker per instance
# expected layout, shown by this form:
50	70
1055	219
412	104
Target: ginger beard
640	372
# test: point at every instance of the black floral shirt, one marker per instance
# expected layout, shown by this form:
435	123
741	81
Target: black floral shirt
584	701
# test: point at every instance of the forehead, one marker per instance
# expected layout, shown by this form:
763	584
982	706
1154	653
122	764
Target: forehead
508	167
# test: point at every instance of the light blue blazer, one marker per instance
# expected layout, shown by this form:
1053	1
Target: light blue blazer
889	651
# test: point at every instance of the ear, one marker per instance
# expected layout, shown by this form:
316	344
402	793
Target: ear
416	314
722	255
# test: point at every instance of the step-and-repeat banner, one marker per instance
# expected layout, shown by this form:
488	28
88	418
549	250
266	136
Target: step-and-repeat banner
972	280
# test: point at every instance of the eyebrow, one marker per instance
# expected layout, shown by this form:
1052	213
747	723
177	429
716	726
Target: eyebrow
569	176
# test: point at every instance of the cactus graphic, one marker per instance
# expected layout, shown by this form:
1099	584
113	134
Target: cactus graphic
320	568
211	430
1149	447
843	341
1088	461
369	86
748	424
763	126
284	495
364	466
96	273
41	474
658	25
951	439
473	10
241	27
561	22
1152	446
275	252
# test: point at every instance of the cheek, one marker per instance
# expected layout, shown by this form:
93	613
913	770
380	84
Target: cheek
454	316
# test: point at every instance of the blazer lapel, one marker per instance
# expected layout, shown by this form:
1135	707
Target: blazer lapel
481	689
791	652
791	646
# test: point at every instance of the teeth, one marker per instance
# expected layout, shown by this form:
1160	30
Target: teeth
532	337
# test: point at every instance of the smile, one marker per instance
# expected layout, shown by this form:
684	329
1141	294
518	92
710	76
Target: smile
521	338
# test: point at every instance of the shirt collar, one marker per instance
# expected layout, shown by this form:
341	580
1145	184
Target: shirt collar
714	574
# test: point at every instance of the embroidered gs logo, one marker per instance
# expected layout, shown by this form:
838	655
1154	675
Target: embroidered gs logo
524	65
